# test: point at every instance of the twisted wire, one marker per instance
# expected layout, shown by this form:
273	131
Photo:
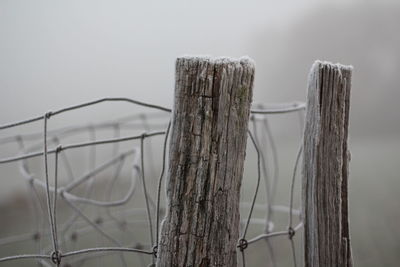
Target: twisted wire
53	255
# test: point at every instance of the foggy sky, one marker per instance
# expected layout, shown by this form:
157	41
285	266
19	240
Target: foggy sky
55	54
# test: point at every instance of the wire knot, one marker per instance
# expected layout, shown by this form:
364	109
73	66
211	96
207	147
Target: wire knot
243	244
155	250
59	148
291	232
48	114
56	257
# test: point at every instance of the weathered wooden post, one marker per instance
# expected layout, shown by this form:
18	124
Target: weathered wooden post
325	168
207	151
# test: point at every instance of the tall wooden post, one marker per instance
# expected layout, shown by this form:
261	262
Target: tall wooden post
325	168
207	151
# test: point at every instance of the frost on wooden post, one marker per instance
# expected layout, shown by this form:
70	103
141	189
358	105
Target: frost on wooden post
325	168
207	151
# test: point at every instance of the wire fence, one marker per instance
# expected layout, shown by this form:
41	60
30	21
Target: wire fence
57	236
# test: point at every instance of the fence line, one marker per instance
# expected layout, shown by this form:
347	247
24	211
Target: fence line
53	254
56	257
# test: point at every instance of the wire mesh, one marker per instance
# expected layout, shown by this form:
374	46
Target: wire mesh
56	242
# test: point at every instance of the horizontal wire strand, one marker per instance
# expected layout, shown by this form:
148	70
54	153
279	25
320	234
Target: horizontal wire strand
68	197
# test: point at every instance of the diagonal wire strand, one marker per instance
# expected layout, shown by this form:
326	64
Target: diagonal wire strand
78	215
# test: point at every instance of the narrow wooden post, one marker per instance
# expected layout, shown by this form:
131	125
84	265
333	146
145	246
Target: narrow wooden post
207	151
325	168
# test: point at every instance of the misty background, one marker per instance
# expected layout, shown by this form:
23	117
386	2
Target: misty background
59	53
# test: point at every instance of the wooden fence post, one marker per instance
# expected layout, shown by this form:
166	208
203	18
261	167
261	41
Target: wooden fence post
207	151
325	167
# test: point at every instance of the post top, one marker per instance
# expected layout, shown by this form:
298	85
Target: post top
339	66
246	61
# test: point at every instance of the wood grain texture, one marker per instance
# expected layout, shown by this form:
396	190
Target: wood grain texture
325	167
207	151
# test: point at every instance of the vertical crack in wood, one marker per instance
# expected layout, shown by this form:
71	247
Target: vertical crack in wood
207	151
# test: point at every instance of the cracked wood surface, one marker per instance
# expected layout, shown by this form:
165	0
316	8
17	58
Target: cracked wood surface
207	151
325	167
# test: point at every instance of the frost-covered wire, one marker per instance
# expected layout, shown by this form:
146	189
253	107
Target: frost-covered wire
79	222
